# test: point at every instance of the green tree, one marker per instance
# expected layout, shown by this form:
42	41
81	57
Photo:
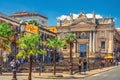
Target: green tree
29	46
6	31
55	43
34	22
69	39
6	34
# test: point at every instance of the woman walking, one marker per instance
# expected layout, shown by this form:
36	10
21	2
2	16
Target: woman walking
79	66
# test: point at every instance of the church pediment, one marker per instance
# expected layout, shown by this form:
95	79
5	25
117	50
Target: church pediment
82	23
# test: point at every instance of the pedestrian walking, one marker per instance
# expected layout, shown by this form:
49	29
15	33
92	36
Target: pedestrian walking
79	66
12	63
17	64
102	64
114	62
85	66
117	62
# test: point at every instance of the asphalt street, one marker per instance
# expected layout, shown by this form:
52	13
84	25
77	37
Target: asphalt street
108	75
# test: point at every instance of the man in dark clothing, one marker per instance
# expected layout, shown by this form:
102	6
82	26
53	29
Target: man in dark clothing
85	66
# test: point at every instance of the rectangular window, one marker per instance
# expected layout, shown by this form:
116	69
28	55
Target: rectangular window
43	22
103	45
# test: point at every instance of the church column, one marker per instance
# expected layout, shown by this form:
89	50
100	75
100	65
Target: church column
90	42
93	41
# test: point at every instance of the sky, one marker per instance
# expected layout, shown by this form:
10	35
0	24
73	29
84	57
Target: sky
55	8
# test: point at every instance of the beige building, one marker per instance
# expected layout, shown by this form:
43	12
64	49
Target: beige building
96	36
27	16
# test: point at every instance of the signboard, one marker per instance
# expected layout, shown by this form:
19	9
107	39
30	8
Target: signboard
31	28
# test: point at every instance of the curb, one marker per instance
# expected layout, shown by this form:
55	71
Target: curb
97	73
71	77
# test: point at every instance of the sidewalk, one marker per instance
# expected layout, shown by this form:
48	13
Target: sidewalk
65	75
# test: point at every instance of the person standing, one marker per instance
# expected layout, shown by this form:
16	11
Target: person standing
17	64
12	63
85	66
79	66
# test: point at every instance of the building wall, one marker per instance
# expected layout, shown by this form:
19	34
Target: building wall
41	20
99	39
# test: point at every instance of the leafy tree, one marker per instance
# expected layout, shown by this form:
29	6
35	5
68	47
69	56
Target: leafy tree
6	34
69	39
55	43
29	46
34	22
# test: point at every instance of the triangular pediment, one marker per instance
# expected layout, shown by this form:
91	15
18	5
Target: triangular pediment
81	15
82	23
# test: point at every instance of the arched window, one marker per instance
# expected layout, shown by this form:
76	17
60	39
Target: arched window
83	35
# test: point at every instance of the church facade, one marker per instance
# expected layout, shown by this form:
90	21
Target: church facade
96	37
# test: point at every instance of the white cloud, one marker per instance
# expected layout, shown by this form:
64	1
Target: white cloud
89	15
75	16
97	16
63	17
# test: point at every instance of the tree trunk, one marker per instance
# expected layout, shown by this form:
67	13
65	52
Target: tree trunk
71	63
1	61
30	69
54	61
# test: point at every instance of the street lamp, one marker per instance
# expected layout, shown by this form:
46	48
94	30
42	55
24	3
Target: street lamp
22	29
14	67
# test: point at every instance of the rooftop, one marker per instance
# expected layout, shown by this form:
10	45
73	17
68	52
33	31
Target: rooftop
20	14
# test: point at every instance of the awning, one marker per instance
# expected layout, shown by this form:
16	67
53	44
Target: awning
109	57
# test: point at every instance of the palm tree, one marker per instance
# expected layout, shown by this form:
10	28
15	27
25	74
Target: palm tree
34	22
55	43
6	34
28	45
70	38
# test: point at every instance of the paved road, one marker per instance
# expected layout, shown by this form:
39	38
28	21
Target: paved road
109	75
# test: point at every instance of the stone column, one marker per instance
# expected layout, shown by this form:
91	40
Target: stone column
111	48
90	42
93	41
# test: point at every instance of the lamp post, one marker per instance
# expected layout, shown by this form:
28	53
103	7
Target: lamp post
22	29
14	67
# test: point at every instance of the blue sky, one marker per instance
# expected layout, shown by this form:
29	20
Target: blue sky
55	8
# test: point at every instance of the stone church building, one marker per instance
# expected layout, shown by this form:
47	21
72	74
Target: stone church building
96	37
